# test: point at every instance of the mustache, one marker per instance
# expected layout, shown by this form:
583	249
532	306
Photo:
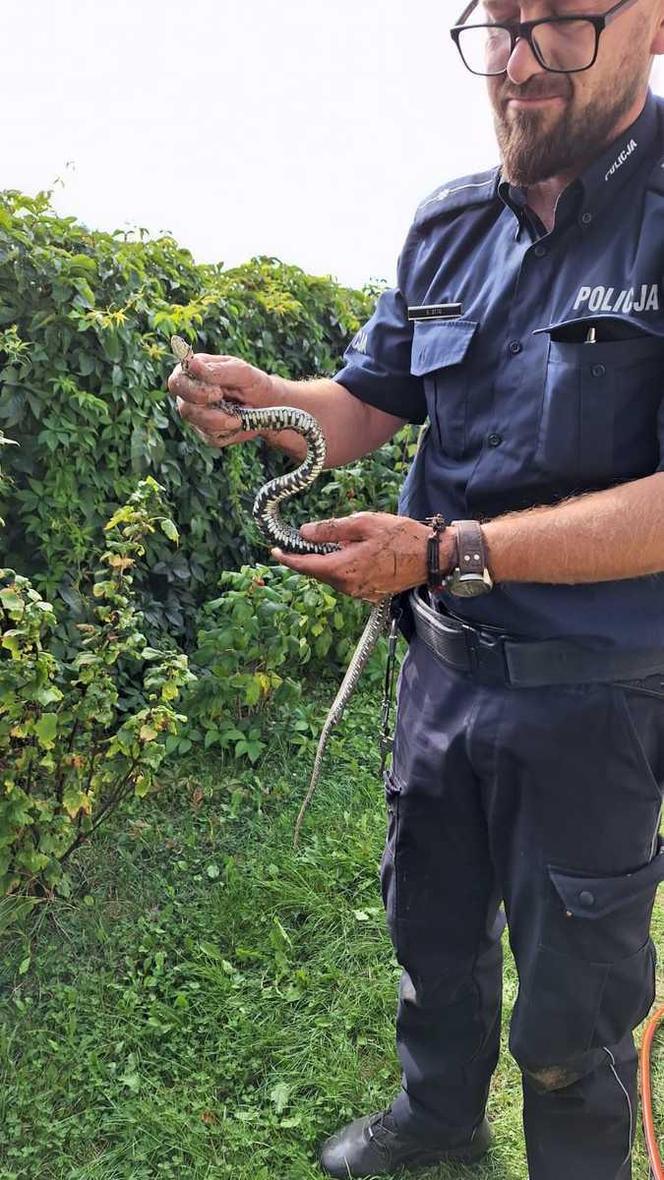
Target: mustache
537	87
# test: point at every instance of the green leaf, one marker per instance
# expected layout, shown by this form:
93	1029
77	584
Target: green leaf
11	601
14	911
170	530
46	728
75	800
131	1080
279	1096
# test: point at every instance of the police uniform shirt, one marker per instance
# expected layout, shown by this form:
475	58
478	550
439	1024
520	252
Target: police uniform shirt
522	410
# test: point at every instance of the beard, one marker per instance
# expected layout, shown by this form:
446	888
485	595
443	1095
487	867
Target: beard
534	147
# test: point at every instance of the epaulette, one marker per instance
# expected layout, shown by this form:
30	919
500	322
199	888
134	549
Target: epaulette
656	178
477	189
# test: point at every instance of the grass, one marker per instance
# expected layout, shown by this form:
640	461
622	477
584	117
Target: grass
211	1004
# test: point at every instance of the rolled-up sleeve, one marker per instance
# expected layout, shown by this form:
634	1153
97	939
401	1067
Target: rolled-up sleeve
377	362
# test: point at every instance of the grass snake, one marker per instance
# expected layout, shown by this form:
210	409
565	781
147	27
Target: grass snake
268	520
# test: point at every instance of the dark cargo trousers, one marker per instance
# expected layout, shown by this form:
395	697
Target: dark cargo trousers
547	800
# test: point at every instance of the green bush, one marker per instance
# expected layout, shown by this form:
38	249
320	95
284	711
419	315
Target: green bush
253	647
71	750
85	321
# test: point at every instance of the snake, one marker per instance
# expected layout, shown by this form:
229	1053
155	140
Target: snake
277	532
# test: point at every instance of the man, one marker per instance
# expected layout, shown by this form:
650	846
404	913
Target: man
528	327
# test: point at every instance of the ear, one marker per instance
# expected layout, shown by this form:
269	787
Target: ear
657	47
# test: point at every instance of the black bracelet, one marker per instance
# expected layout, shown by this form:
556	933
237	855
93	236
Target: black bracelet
435	576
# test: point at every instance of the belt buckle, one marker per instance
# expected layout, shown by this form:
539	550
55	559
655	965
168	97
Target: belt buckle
486	654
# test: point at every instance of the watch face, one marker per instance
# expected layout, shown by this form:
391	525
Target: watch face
470	585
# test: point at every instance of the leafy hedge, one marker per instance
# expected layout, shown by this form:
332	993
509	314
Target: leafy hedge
85	320
254	646
71	750
85	323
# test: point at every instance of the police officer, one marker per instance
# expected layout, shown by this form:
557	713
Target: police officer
527	331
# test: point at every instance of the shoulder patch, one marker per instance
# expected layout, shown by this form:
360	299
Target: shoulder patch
477	189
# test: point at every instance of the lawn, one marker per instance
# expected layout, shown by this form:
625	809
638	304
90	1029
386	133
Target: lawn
211	1004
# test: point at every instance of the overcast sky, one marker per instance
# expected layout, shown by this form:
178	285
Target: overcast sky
304	130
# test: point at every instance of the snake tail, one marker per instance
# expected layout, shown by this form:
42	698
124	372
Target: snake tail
376	625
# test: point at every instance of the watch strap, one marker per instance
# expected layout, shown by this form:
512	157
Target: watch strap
435	576
471	549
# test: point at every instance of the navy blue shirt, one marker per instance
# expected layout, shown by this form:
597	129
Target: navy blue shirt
520	408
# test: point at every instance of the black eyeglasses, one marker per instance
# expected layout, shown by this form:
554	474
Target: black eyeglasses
561	44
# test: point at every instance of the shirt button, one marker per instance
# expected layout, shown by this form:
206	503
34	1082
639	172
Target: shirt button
540	251
586	899
494	440
598	370
586	218
516	347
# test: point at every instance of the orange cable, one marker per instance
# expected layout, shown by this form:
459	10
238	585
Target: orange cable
646	1096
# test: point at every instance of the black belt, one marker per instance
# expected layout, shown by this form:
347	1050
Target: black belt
492	656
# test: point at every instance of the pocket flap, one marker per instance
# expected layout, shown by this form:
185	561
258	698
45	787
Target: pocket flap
436	345
632	328
595	897
631	334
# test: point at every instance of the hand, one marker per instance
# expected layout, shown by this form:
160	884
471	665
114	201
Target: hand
210	379
380	555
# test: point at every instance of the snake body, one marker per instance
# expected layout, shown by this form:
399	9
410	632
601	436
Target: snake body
266	515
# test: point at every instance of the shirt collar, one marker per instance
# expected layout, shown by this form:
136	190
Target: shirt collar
604	178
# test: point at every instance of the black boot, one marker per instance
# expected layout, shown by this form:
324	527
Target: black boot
374	1146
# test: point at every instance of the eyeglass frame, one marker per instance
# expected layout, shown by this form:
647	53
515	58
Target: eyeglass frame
524	31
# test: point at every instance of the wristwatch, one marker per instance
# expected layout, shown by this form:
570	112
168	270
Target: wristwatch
470	577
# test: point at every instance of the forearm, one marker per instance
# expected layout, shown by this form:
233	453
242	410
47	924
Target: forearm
603	536
351	427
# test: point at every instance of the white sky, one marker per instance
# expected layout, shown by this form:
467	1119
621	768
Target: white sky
304	130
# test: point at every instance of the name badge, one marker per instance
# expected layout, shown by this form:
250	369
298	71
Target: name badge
435	311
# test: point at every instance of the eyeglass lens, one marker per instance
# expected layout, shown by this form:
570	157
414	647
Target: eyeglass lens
565	47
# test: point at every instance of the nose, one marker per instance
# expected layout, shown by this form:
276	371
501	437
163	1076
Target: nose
523	65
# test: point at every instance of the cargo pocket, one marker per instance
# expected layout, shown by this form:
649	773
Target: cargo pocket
388	867
593	977
598	419
439	355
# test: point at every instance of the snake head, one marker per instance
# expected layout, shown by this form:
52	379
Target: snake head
182	351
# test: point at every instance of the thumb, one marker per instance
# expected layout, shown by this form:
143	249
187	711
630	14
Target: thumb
229	373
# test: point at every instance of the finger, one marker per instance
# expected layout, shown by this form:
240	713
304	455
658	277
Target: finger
339	529
182	387
202	385
321	567
211	357
218	370
334	575
210	422
315	565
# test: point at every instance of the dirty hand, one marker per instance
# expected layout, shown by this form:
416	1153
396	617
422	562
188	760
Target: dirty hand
209	379
380	554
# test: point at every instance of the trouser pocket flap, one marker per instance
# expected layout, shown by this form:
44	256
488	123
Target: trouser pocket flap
595	897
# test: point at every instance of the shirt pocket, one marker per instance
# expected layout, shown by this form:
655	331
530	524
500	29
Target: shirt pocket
440	356
598	419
